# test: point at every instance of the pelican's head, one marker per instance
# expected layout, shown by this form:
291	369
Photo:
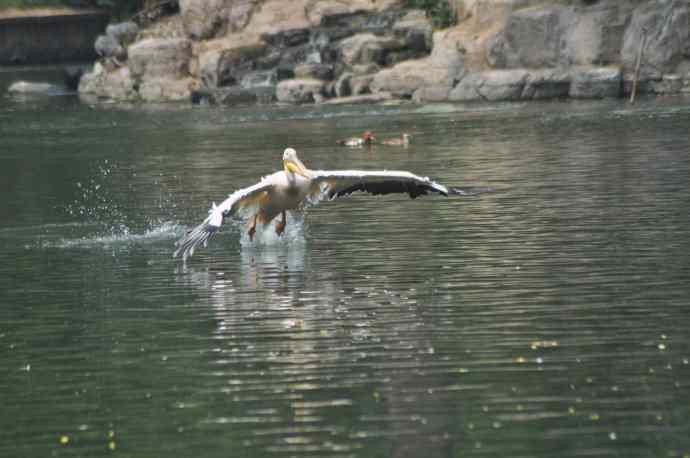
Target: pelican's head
368	137
292	164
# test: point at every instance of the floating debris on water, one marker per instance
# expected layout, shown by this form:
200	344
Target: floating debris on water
537	344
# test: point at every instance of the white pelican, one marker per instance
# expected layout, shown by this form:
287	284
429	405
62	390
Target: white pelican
295	186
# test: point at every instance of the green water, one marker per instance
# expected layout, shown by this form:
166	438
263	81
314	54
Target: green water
547	319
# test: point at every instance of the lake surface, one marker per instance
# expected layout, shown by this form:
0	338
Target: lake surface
549	318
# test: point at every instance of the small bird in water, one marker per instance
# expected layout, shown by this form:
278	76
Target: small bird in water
367	138
403	141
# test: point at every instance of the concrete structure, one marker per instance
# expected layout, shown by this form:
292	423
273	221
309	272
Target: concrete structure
41	38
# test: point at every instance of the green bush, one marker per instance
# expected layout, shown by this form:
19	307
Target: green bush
440	12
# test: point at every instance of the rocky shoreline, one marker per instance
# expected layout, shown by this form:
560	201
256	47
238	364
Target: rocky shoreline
239	52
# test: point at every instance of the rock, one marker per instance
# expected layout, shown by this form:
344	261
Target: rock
503	84
493	85
239	14
415	31
71	76
165	89
225	61
106	46
361	84
467	89
298	90
431	94
286	38
366	48
442	68
160	58
273	17
30	87
318	71
235	96
531	39
202	19
342	86
262	78
669	84
360	99
116	85
668	24
546	84
596	83
124	33
593	35
291	57
321	11
364	69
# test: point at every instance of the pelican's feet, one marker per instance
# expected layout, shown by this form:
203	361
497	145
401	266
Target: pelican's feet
280	228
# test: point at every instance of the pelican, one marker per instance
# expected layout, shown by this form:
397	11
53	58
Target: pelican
295	186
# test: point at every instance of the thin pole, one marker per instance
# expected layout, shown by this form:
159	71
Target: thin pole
637	66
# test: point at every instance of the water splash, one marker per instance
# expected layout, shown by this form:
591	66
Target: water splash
295	230
165	231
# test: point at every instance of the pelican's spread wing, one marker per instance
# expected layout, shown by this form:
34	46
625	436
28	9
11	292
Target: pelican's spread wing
238	200
339	183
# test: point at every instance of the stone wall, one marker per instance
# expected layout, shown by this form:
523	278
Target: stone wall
314	51
52	38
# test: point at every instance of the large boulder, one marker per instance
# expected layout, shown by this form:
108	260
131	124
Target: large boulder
503	84
160	58
203	19
124	32
546	84
226	61
273	17
668	84
596	83
319	11
415	31
431	94
443	67
235	96
467	89
115	85
667	43
107	46
299	90
593	35
531	39
366	48
314	70
492	85
379	97
165	89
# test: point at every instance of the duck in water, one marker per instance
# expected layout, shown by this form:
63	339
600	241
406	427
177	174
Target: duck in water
402	141
367	139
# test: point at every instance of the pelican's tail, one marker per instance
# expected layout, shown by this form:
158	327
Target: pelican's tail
200	235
